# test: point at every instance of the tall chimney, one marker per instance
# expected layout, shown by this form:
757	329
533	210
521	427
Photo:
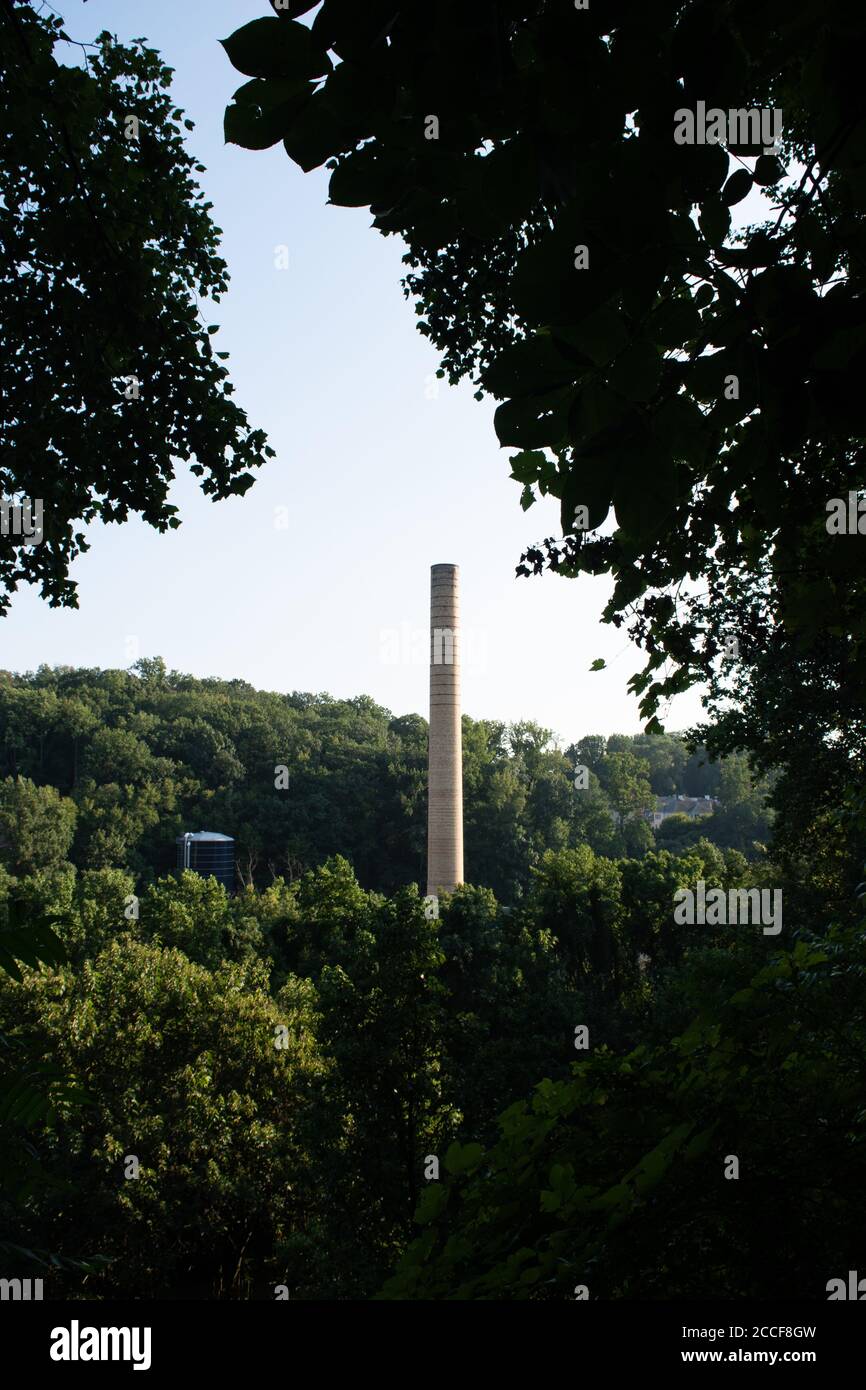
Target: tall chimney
445	755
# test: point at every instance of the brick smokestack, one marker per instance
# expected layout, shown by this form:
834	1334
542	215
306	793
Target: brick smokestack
445	755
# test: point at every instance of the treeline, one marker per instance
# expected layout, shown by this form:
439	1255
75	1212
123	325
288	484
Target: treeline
246	1092
106	768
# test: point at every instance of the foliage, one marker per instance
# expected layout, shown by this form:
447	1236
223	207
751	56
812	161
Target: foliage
36	825
109	371
615	1179
185	1075
139	757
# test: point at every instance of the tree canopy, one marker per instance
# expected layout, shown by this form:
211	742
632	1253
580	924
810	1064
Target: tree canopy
692	383
109	370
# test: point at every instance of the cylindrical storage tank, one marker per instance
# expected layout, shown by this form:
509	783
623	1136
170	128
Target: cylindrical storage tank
209	855
445	754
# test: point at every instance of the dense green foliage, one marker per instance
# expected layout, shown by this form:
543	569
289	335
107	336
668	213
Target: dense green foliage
221	1094
106	768
283	1062
613	1184
109	372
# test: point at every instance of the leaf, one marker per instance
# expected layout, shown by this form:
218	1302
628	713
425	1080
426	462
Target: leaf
598	665
7	963
263	113
266	94
600	335
317	133
676	322
271	47
645	498
587	484
527	465
738	186
706	379
715	220
547	288
431	1203
839	347
635	373
681	429
532	421
528	367
597	411
462	1158
618	1195
700	1143
367	177
243	126
768	170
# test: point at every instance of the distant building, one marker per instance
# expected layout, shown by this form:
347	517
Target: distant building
695	807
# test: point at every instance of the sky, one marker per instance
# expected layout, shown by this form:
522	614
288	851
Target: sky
318	579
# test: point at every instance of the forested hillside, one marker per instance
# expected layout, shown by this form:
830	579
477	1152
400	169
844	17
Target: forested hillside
105	768
231	1095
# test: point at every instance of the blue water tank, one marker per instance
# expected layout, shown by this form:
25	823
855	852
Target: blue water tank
208	854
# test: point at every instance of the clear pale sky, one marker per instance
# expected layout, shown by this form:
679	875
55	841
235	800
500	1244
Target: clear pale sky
380	473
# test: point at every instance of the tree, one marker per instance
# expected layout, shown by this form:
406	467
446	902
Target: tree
183	1074
576	896
625	779
37	825
592	820
615	1178
679	830
510	1009
495	835
30	1086
667	756
382	1106
110	375
648	888
743	821
190	914
570	249
99	912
